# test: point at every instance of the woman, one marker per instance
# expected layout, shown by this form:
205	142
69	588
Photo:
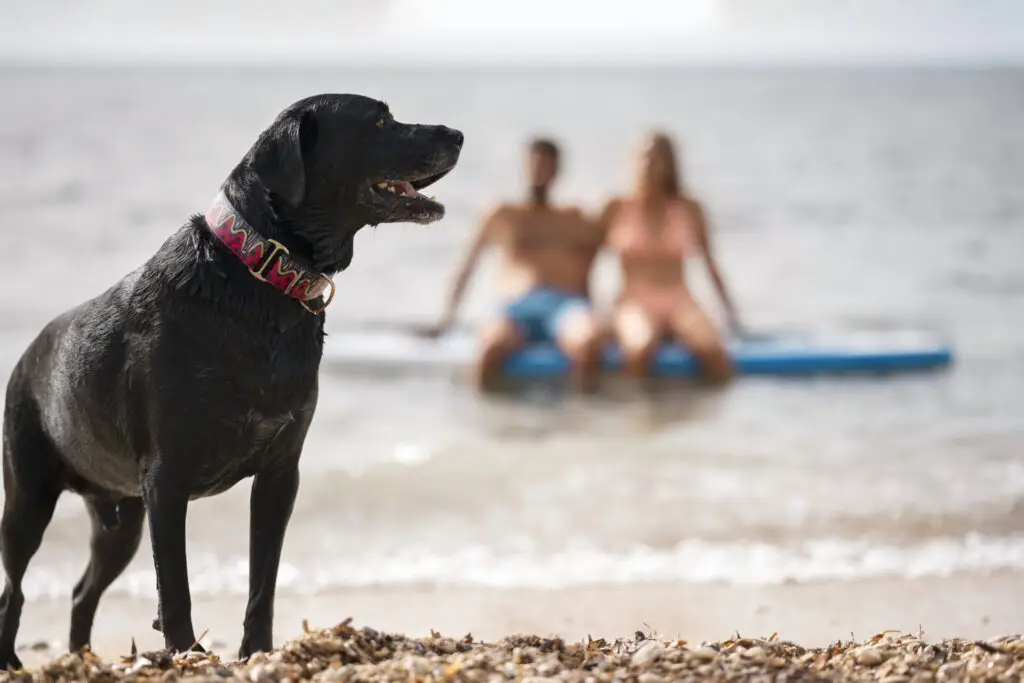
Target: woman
656	233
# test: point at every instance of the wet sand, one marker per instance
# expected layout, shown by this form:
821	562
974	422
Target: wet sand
811	614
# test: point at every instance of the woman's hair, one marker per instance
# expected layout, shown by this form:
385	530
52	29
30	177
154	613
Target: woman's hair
673	184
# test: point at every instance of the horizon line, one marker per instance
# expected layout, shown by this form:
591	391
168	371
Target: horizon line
494	61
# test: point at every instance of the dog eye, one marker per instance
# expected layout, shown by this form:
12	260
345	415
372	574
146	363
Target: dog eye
380	123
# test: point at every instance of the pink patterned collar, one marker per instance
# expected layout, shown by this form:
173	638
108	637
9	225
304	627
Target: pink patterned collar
267	260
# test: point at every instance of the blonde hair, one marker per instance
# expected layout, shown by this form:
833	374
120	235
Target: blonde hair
673	185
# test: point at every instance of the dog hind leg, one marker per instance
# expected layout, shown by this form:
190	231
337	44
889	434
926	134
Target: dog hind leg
32	485
112	547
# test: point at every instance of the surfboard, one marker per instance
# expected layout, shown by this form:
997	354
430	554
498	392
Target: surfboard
782	354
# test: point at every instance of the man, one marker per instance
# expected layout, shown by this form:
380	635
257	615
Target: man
548	252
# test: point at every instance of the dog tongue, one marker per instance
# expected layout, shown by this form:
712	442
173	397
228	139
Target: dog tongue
406	189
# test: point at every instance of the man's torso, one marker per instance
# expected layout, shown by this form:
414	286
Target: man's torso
550	247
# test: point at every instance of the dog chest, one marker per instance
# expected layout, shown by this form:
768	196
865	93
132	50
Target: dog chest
260	430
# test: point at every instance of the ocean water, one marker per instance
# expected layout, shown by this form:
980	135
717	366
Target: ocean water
839	199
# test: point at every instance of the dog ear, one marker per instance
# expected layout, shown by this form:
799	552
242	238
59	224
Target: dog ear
278	158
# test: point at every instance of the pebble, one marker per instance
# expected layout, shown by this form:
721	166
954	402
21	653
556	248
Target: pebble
647	653
344	654
704	654
951	671
263	673
650	677
549	668
869	656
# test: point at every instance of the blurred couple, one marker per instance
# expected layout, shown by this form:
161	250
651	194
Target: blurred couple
654	231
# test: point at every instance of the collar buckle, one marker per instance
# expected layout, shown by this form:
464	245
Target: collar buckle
327	301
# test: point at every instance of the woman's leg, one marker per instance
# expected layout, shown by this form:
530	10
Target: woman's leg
638	336
694	329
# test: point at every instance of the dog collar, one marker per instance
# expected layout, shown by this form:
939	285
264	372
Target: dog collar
267	260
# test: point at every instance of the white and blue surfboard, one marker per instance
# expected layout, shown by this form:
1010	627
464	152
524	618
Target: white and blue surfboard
784	354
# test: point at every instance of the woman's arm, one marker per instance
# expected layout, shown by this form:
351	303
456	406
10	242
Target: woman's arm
598	226
605	219
700	220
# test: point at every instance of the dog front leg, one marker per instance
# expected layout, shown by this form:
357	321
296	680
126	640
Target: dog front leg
165	494
271	502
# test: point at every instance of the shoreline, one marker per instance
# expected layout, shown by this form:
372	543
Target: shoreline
813	614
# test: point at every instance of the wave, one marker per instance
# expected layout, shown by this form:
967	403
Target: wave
689	562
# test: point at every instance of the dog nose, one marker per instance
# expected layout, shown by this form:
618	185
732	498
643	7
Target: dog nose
454	135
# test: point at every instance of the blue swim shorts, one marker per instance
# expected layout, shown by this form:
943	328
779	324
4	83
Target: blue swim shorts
539	312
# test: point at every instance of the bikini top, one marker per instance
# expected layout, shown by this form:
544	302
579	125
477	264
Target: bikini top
631	238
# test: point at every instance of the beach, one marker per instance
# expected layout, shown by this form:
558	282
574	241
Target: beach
855	199
813	615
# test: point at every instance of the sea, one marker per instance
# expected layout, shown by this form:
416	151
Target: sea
840	199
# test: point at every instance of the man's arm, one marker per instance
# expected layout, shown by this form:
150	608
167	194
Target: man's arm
481	240
712	264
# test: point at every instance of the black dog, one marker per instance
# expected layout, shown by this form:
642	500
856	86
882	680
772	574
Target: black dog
199	369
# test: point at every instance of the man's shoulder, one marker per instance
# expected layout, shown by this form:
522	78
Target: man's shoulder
499	211
569	210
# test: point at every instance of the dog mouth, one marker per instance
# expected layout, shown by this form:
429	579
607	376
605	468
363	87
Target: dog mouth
405	196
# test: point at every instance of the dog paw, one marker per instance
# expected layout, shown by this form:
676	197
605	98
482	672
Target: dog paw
179	645
251	647
10	662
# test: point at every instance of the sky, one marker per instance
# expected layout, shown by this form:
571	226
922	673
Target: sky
482	31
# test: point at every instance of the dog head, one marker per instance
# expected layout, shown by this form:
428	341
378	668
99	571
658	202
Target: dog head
331	164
